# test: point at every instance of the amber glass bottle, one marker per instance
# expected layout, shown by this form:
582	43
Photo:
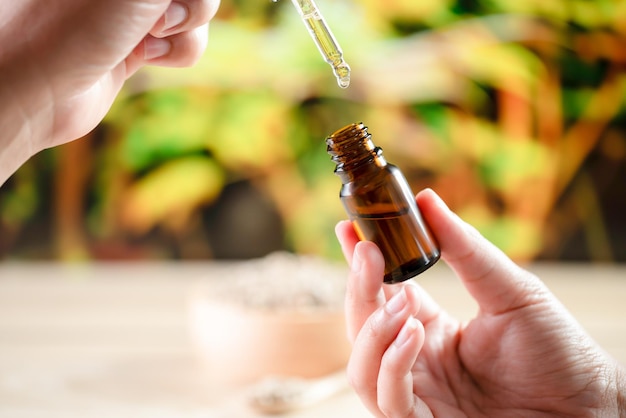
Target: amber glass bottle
381	205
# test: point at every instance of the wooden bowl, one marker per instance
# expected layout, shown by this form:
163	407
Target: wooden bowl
285	333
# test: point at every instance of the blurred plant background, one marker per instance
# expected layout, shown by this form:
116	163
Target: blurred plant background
513	111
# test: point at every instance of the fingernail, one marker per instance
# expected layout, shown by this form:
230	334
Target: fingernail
407	331
155	48
175	14
396	303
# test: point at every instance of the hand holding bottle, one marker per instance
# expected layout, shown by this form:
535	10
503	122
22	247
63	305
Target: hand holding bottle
522	355
63	63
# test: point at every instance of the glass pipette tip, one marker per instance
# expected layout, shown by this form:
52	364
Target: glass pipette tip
324	40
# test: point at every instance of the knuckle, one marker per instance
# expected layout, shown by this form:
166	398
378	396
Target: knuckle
189	47
201	11
372	327
393	412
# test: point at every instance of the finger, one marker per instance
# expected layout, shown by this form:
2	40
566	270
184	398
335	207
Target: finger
356	310
180	50
429	309
186	48
184	15
364	288
493	280
372	341
396	396
115	27
347	239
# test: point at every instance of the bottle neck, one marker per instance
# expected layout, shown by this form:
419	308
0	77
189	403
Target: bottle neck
354	153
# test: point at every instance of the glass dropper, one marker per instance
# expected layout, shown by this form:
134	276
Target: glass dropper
324	39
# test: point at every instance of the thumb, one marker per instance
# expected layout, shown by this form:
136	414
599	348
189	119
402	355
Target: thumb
493	279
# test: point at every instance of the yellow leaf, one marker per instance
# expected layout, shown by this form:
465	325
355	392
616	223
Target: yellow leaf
175	189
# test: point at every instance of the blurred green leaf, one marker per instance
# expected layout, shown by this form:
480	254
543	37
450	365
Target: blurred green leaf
176	123
519	238
251	131
20	200
510	163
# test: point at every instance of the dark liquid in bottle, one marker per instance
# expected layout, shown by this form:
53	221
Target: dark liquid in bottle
399	238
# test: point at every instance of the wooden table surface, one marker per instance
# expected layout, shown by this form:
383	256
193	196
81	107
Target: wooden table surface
112	340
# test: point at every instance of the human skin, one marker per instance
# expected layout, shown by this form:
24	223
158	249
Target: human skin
523	355
63	62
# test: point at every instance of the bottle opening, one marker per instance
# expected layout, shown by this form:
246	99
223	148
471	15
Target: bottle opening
350	132
351	146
